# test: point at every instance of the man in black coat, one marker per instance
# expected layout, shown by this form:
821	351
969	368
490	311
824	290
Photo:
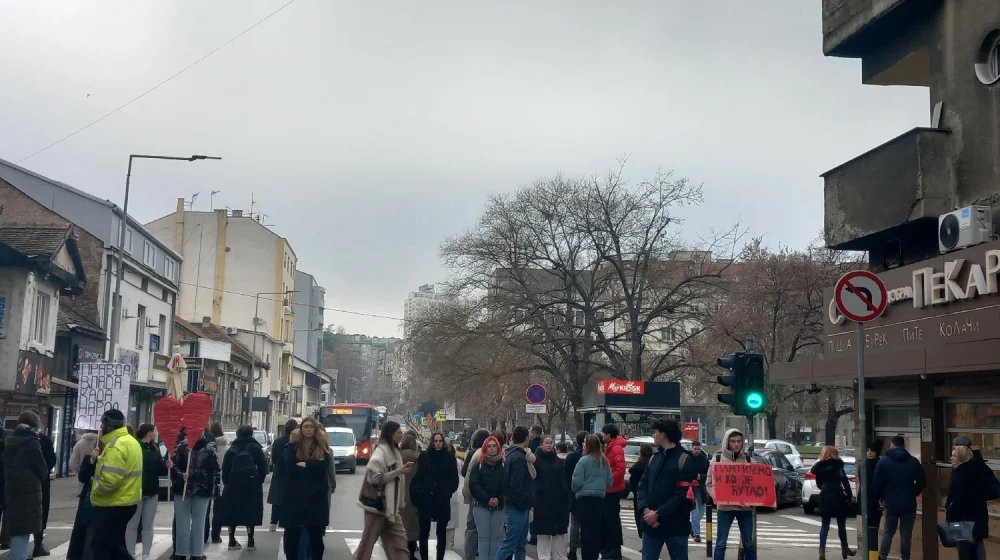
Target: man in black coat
279	479
662	496
24	476
574	515
518	496
49	453
899	479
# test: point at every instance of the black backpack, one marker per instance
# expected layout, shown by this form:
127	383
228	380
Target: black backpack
244	469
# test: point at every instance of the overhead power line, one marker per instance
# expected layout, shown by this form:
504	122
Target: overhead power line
150	90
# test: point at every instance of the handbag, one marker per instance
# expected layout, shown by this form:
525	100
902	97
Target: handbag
372	495
955	533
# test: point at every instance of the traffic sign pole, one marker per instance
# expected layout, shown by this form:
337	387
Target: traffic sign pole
862	419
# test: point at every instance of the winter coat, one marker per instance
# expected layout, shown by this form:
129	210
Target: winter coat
153	466
834	488
204	480
84	445
635	478
726	456
661	490
118	476
615	450
571	460
534	443
899	479
307	489
243	502
485	482
49	454
435	482
411	521
24	474
222	444
518	483
591	479
383	468
276	493
870	497
966	501
551	495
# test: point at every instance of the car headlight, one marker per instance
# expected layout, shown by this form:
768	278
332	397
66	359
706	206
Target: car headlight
350	452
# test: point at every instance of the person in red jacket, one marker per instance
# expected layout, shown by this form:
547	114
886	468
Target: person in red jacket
614	449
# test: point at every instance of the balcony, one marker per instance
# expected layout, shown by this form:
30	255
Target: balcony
908	178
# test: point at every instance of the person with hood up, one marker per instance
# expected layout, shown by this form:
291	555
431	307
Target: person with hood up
243	471
24	474
471	533
203	485
485	478
410	452
153	466
276	492
836	501
307	492
574	512
614	449
431	490
382	519
551	503
899	479
732	452
970	479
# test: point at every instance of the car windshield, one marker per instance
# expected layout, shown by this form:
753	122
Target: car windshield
849	469
261	438
340	439
632	447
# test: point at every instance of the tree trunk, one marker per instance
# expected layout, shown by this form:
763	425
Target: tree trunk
772	425
831	430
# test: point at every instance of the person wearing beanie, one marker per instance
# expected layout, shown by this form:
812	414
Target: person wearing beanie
24	474
967	498
117	488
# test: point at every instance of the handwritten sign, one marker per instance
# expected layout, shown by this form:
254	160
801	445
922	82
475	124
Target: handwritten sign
744	484
103	386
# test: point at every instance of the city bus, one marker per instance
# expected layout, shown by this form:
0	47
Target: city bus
363	419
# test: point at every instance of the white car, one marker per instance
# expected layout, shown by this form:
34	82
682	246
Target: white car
783	447
810	492
344	449
632	455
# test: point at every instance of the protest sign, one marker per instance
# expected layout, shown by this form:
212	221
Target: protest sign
103	386
743	484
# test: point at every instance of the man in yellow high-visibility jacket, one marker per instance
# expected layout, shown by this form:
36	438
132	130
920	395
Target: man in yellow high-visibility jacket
117	488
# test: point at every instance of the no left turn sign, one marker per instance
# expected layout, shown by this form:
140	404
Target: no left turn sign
861	296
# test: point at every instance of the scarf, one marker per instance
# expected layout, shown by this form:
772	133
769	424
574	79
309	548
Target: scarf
483	458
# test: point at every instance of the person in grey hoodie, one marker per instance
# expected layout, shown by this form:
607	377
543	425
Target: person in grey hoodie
732	452
591	481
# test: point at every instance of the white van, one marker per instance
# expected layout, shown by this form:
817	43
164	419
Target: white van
344	448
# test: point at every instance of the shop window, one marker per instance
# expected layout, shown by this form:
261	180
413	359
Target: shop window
897	417
980	422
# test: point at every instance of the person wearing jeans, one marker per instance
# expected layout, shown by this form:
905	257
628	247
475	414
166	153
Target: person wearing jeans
203	484
486	498
899	479
732	452
701	468
666	494
518	496
153	465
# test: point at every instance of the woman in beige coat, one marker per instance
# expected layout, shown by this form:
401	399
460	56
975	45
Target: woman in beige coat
386	468
410	451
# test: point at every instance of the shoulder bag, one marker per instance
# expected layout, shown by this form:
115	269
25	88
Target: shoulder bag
955	533
372	495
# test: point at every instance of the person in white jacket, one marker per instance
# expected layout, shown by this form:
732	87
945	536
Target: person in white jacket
731	452
386	467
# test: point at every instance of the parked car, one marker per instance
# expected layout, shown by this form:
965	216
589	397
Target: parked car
632	455
788	483
164	478
810	492
783	447
344	449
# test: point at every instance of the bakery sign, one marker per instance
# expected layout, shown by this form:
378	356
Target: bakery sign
955	281
620	387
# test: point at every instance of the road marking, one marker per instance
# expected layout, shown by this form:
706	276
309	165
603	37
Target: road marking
379	554
807	521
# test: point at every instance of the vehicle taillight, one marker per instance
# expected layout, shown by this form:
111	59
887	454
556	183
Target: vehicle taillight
852	478
810	476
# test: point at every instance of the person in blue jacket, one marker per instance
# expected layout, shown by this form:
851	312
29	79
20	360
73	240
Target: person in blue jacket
663	494
518	497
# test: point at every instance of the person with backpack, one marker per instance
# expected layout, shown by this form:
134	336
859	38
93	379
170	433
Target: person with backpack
732	452
153	466
243	471
667	494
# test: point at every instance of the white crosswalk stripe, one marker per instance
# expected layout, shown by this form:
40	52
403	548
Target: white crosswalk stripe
378	553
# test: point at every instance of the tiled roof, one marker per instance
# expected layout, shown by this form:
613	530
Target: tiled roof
34	241
218	334
67	316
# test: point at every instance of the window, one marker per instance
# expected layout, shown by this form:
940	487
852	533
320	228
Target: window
163	332
149	254
128	240
170	268
668	335
979	421
140	328
40	319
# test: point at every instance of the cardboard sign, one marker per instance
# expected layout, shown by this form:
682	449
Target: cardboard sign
103	386
743	484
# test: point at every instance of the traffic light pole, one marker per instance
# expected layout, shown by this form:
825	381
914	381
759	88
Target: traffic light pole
863	459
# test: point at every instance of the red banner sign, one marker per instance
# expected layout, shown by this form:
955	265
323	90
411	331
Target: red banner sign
743	484
690	430
620	387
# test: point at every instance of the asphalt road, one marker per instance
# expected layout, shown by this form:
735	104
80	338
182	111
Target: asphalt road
783	535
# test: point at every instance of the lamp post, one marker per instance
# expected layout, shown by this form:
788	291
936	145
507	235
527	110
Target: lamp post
251	378
119	277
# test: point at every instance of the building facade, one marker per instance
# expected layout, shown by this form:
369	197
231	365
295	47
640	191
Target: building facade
419	302
308	376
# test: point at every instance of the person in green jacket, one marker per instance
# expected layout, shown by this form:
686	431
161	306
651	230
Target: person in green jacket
117	488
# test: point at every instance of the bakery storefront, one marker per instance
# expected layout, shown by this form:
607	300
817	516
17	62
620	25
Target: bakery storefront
932	371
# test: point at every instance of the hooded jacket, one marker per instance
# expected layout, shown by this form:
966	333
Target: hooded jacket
834	487
204	478
661	490
724	455
118	476
24	474
615	450
899	479
84	445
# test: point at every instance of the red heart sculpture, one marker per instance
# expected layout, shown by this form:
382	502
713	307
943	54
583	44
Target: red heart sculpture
170	415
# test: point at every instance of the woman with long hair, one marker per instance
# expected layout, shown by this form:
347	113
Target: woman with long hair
307	489
836	500
153	466
591	481
551	503
410	452
203	485
382	519
486	488
635	477
431	490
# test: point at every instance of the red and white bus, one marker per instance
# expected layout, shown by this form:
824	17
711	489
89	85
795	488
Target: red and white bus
362	419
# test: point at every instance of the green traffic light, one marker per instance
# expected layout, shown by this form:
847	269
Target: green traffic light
755	400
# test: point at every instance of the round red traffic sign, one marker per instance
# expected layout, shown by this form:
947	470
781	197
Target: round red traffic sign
536	394
861	296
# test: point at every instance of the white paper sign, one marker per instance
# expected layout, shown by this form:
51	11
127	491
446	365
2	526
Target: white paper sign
535	408
103	386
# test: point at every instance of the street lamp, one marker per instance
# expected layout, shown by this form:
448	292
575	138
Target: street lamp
119	277
251	380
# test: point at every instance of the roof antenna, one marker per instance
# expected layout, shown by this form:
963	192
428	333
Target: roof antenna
211	199
191	204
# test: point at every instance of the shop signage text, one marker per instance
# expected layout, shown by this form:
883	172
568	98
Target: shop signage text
619	387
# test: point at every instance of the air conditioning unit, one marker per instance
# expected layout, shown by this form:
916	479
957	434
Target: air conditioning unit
232	330
964	227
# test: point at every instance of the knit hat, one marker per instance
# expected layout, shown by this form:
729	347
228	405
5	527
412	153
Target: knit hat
962	441
113	417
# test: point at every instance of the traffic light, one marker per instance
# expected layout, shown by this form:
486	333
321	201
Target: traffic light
748	391
733	363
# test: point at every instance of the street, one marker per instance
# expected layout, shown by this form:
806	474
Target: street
785	534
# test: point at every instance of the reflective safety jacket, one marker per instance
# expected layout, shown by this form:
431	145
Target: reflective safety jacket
118	474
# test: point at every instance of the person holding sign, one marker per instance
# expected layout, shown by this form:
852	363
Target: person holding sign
732	452
835	498
666	494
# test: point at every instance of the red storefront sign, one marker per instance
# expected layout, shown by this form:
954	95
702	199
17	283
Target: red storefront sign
620	387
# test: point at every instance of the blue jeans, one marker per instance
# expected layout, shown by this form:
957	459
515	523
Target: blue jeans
677	547
824	530
697	513
190	517
304	548
745	520
19	547
516	540
489	525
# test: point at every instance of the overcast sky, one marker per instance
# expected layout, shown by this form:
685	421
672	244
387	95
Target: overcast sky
370	131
